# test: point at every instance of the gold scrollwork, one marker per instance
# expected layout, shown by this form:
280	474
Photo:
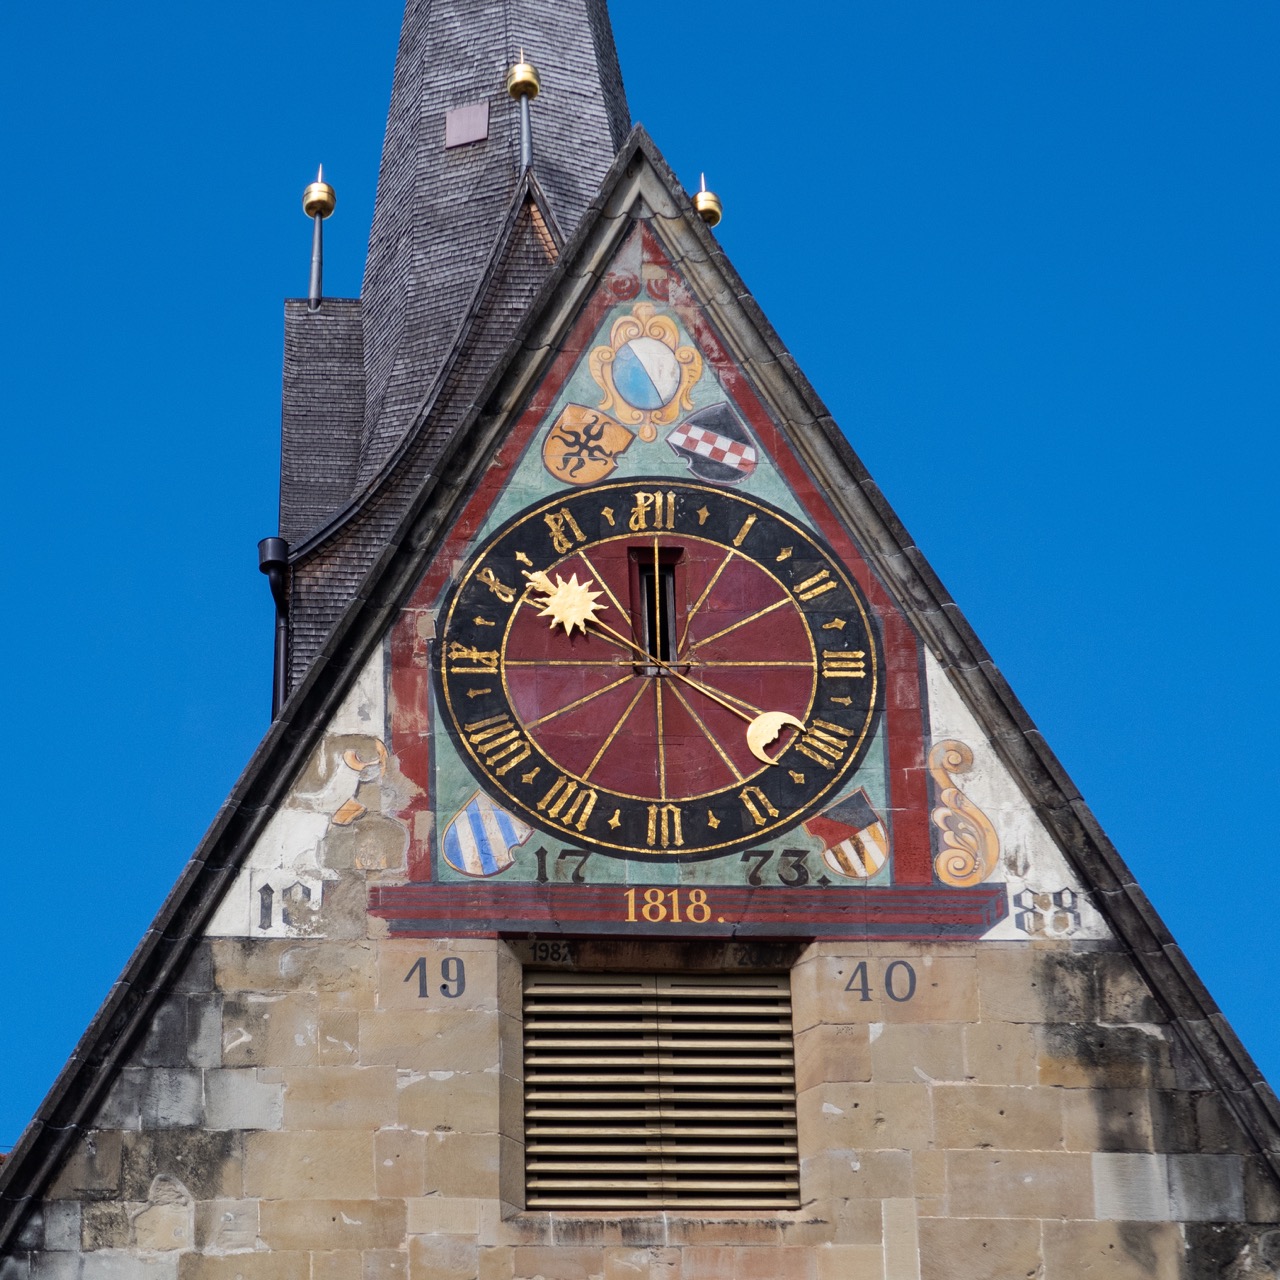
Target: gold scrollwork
970	846
645	322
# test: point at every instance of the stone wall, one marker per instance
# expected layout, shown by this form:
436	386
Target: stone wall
301	1110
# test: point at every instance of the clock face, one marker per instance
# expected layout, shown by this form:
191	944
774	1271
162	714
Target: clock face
658	670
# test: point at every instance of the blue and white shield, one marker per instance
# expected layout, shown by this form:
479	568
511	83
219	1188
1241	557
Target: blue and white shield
482	837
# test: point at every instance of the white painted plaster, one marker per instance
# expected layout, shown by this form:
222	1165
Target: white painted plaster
287	856
1029	857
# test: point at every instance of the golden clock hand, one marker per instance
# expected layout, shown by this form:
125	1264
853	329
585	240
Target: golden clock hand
572	604
762	729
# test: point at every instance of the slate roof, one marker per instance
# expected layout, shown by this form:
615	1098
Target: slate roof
484	396
439	220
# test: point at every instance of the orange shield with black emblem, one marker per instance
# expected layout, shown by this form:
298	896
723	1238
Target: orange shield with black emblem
584	445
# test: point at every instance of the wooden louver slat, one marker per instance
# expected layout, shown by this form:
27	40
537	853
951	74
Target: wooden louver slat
656	1090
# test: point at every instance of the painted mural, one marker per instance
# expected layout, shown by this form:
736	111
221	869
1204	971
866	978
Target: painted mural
651	683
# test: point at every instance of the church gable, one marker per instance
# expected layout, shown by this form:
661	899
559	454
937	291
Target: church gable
640	889
558	761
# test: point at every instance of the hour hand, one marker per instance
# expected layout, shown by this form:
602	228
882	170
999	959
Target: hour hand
765	728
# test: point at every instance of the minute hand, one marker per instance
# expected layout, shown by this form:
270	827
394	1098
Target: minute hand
667	667
762	728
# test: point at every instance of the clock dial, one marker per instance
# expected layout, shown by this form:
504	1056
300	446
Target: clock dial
658	670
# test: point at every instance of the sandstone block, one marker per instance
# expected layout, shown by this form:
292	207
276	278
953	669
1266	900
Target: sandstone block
832	1053
93	1165
341	1265
165	1042
424	1040
382	1264
466	1102
1131	1187
270	1030
849	1261
929	1170
901	1239
443	1258
1019	1184
1010	988
1207	1188
288	965
748	1264
846	1174
328	1225
914	1052
497	1263
238	1099
463	1165
339	1097
565	1263
105	1225
118	1266
1107	1119
61	1225
226	1226
642	1264
443	1215
204	1031
332	1165
402	982
865	1117
1114	1250
857	1221
1000	1053
154	1098
1122	993
245	1266
338	1043
208	1163
1098	1057
978	1249
946	990
1006	1117
400	1162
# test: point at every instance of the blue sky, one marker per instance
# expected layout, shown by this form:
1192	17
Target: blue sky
1027	253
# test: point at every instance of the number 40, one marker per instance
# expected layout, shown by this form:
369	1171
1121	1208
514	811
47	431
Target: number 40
899	981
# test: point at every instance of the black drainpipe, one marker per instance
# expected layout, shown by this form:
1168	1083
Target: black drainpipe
273	560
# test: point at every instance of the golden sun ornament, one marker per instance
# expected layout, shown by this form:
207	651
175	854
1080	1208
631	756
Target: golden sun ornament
569	604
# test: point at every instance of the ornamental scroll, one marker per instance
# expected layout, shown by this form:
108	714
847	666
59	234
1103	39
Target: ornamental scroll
970	846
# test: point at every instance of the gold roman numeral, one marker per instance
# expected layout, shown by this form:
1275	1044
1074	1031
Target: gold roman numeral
564	530
498	742
658	507
664	826
824	742
567	803
844	666
816	586
465	660
758	805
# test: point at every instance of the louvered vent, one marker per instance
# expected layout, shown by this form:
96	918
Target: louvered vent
651	1090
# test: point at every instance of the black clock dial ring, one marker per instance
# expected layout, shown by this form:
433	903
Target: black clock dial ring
679	615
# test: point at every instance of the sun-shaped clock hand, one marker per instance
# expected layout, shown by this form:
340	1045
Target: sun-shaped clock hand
572	604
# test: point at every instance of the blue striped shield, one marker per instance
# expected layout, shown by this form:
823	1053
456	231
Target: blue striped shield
481	838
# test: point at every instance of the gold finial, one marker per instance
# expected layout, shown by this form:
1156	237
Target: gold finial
523	80
319	199
708	205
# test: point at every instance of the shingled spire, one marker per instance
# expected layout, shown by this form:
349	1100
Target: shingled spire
461	241
438	210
